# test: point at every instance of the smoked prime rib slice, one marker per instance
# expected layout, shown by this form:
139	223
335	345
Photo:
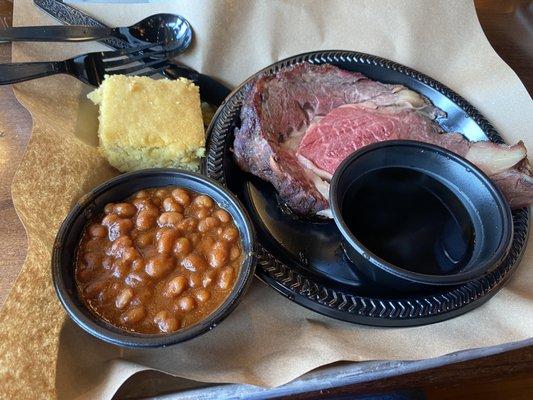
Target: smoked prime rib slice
299	124
347	128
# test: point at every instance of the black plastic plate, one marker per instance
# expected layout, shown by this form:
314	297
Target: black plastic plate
303	260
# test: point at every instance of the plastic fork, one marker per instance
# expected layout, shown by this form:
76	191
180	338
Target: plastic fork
90	68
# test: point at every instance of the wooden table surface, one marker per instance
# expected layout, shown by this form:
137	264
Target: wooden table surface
508	25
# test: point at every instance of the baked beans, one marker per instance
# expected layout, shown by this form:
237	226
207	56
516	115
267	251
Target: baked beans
159	261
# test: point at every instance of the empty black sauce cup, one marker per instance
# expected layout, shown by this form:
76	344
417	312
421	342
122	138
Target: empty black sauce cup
413	214
117	189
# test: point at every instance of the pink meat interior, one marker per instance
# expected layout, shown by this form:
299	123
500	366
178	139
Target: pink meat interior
347	128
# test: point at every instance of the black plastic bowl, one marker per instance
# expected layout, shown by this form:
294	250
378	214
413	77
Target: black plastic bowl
472	200
117	189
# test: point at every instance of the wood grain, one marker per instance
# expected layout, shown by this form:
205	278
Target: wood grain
508	24
504	376
15	129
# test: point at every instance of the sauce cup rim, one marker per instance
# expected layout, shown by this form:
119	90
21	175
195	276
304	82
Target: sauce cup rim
404	274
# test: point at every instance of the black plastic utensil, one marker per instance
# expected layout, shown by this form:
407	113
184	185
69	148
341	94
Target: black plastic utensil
90	68
168	30
211	91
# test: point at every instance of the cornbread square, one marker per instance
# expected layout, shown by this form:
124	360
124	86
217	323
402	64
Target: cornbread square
147	123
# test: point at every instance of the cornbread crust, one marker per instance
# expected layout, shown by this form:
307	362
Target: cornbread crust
147	123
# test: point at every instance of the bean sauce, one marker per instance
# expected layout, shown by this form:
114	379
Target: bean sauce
159	261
